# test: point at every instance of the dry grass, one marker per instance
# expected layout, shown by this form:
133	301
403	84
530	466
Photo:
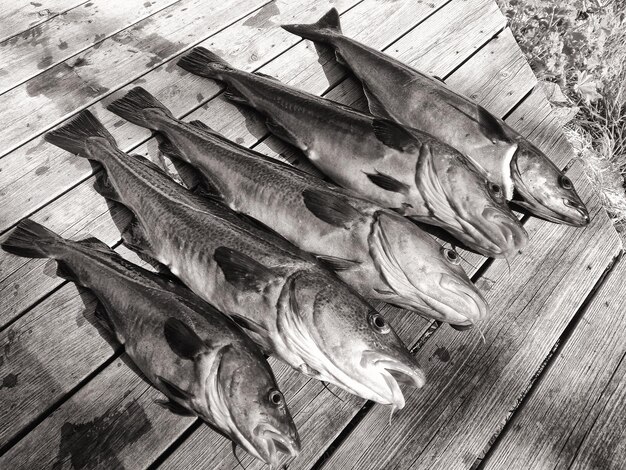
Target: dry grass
577	48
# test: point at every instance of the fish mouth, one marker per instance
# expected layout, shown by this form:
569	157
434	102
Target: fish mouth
503	232
572	212
277	442
466	305
393	372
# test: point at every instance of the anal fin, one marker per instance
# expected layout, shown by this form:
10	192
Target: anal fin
134	237
104	187
375	106
284	134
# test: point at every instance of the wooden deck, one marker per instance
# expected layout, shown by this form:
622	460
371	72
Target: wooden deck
547	387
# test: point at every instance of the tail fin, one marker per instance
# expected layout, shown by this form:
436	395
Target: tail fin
325	28
201	61
31	240
140	107
73	136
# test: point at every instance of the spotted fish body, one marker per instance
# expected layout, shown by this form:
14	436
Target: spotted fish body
290	305
376	251
408	96
185	347
397	167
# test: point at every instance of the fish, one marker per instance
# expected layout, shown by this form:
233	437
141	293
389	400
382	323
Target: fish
378	252
399	92
198	357
397	167
284	299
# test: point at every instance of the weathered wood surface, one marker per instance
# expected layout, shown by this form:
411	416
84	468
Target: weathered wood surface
80	81
518	340
575	417
43	46
18	17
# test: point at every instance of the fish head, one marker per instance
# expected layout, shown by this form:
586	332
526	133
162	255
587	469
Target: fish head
423	275
259	419
544	190
463	202
344	341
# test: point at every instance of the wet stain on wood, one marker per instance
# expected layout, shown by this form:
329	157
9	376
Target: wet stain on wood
262	18
45	62
97	442
442	354
41	170
9	381
63	45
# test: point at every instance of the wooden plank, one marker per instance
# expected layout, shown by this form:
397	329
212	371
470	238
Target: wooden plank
579	398
66	35
604	446
473	385
102	426
18	17
61	91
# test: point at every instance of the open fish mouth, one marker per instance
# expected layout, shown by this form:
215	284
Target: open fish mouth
502	236
465	305
394	372
278	442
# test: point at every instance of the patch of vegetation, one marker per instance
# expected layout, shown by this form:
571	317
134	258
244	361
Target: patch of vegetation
577	49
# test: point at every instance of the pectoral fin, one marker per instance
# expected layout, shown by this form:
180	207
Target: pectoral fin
394	135
182	339
241	270
388	183
337	264
175	408
173	390
331	208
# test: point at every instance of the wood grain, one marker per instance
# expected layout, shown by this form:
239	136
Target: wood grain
21	17
574	418
78	29
102	426
473	385
64	89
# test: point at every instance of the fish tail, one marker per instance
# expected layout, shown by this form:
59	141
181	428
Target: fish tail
74	136
201	61
32	240
324	29
141	108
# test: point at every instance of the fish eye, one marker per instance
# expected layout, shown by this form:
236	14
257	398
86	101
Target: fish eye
379	323
565	182
276	398
495	189
451	255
